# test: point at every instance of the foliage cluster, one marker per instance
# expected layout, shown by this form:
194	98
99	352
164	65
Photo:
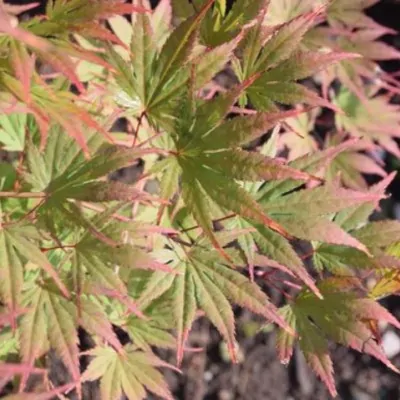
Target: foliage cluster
241	189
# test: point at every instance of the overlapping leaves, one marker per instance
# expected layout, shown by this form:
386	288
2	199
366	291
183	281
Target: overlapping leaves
341	316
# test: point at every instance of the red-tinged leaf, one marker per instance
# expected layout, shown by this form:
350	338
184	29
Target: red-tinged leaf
23	65
119	7
18	9
11	277
356	216
241	130
19	369
6	319
62	333
379	234
278	248
351	13
96	322
252	166
378	51
231	196
134	257
315	349
284	341
304	64
184	309
161	20
212	112
98	31
213	302
49	395
25	247
123	298
33	330
371	310
320	230
336	316
312	344
263	261
321	200
178	47
199	205
288	93
111	191
130	373
286	39
315	162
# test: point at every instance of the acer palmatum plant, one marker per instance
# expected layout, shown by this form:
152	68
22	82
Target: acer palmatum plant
78	250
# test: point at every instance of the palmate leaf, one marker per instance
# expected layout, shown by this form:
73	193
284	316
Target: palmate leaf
62	174
359	120
12	131
204	282
351	13
280	64
341	316
50	323
352	166
207	155
345	260
21	240
129	373
388	281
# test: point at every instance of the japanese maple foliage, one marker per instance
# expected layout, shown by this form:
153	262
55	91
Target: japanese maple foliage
233	177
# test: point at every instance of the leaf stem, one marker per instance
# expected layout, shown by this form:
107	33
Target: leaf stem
215	220
136	131
23	195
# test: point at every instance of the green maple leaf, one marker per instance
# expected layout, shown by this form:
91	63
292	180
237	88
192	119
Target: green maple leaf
210	161
12	131
354	220
204	282
61	175
130	372
341	316
274	55
359	119
51	322
155	79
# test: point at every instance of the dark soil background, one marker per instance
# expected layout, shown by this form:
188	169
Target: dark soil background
208	375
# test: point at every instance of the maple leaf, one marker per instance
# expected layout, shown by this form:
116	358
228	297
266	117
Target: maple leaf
277	59
352	165
341	316
131	373
49	323
388	280
12	132
152	81
209	161
204	282
297	137
351	73
359	122
281	11
344	260
58	180
351	13
145	334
